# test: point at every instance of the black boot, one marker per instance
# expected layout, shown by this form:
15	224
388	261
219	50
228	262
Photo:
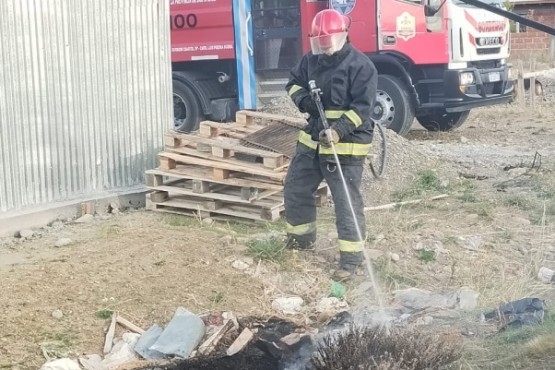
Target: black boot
348	265
300	242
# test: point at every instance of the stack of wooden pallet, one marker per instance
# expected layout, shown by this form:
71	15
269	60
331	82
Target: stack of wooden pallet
209	173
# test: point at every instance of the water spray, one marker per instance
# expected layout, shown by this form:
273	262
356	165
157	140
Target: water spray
315	92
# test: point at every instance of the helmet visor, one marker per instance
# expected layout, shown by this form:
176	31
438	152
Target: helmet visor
328	44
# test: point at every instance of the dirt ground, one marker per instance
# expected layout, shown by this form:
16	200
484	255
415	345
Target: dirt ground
491	234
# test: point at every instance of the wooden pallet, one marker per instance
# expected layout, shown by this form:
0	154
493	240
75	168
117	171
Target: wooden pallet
223	149
210	174
204	198
204	207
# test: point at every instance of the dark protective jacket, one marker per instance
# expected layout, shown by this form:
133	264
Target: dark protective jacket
348	80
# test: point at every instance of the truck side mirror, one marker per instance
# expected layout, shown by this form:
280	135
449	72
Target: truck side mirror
430	11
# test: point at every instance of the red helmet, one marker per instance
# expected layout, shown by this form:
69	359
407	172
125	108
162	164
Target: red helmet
329	32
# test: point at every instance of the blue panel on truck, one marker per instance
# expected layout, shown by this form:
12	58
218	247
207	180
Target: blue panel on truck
244	52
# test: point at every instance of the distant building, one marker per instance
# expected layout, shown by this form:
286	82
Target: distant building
526	40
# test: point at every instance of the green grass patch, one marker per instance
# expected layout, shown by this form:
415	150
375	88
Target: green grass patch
520	201
249	229
426	181
178	220
426	255
268	249
58	345
217	298
104	314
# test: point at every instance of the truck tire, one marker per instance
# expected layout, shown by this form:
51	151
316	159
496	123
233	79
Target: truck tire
187	112
393	108
443	121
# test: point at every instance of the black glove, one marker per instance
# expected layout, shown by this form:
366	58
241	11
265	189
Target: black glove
326	137
308	105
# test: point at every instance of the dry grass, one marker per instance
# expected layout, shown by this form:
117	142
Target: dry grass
371	349
516	348
143	265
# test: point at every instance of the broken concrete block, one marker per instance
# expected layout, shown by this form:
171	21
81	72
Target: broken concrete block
331	304
25	234
182	334
62	242
240	265
289	305
468	299
146	340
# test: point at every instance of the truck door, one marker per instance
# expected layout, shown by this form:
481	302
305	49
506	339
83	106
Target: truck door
277	43
277	33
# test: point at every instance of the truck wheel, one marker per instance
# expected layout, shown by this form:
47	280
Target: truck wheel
393	108
443	121
187	112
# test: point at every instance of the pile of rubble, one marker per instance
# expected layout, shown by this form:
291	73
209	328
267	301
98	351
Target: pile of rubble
198	341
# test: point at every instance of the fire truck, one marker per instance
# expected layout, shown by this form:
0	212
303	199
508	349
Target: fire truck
436	59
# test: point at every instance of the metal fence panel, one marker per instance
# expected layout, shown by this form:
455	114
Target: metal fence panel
85	96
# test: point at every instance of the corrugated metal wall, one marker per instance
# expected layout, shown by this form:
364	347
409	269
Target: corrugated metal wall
85	96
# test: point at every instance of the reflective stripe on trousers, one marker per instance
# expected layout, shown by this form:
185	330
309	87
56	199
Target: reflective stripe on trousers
302	229
349	246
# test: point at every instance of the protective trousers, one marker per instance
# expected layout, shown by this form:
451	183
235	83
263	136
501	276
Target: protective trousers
306	172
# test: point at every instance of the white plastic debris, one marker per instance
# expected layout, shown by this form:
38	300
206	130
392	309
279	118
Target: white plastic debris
122	352
289	305
61	364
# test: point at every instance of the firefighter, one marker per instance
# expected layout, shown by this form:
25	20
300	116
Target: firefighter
348	80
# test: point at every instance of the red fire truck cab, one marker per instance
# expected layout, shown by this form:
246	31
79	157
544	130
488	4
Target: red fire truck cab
436	59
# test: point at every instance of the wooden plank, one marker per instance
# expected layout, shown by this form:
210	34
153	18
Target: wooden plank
222	153
207	131
210	344
230	196
247	117
266	194
225	143
160	208
129	325
276	161
242	118
201	187
236	211
172	142
206	195
167	163
219	166
212	205
246	193
153	180
159	196
203	174
88	208
220	173
109	341
242	340
216	129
